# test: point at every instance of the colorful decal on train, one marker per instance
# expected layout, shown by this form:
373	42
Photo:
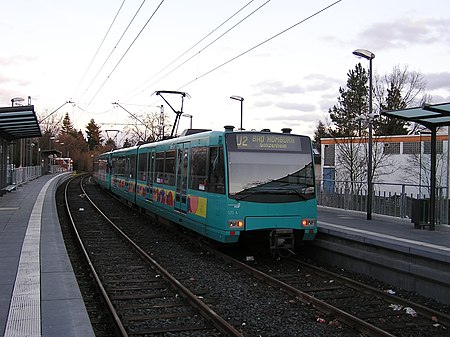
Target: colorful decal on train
119	183
197	205
141	190
164	196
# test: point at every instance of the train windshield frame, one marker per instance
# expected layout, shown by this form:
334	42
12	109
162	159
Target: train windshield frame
268	167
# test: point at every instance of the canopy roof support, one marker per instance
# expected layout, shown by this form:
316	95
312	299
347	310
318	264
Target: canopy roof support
431	116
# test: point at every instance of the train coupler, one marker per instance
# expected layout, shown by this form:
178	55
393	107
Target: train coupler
282	240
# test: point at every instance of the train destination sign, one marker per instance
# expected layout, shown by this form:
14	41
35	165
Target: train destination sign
264	142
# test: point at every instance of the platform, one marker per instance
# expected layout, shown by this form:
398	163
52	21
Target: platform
387	229
39	291
389	249
39	294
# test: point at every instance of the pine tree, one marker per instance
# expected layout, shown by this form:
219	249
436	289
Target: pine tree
352	104
391	126
127	143
321	132
93	135
67	126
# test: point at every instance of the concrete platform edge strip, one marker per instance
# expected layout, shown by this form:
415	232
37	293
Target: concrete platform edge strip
24	317
373	234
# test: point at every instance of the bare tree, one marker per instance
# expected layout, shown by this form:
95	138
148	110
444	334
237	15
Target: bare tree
418	171
411	85
52	124
352	166
145	127
397	90
382	163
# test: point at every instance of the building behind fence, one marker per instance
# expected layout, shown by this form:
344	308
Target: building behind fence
388	199
401	180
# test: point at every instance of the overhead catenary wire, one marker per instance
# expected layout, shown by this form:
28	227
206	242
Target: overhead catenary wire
125	53
51	113
193	46
114	48
98	49
91	112
259	44
232	59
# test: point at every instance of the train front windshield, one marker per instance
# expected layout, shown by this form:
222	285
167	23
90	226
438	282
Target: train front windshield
261	166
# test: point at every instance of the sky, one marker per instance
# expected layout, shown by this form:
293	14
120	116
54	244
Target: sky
286	58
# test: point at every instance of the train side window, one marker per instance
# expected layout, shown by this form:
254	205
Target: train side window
150	169
119	166
114	166
159	168
216	176
169	168
199	159
142	173
132	166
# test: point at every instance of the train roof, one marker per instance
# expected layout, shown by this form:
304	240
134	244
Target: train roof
184	137
192	134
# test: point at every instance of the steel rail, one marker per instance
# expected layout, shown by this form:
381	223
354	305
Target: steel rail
222	325
357	323
106	298
420	309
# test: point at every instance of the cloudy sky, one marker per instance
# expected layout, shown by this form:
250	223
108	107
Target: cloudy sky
286	58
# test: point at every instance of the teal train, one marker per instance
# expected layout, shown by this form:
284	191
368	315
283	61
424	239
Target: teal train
226	185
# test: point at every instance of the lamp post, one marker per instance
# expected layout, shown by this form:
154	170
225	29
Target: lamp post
369	56
16	99
14	102
190	117
239	98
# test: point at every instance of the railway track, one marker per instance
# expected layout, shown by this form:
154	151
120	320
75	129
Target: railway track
336	304
143	297
369	310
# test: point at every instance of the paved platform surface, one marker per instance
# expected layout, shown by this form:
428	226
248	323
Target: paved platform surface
386	231
39	294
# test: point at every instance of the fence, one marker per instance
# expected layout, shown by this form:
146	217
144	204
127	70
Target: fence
388	198
21	175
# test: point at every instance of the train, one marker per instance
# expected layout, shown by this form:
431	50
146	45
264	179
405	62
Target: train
229	186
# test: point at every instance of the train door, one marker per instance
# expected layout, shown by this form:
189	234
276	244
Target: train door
150	174
183	151
108	171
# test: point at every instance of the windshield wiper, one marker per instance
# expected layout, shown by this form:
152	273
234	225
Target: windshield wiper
294	191
247	193
244	194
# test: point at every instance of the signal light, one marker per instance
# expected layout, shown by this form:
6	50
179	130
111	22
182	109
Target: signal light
236	223
308	222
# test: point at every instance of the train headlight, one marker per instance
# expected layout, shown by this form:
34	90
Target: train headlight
308	222
235	223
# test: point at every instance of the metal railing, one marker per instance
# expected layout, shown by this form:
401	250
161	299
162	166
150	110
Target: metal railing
391	199
21	175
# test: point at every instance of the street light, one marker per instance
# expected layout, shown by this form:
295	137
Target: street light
190	117
369	56
239	98
16	99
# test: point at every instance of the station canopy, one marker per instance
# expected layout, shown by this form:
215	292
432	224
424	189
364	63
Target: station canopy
19	122
429	115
